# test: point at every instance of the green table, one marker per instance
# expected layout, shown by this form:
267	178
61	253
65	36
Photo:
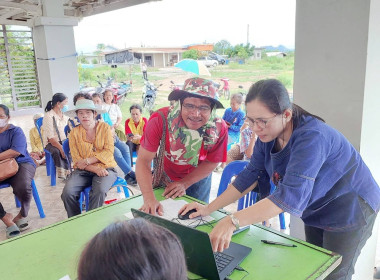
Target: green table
53	252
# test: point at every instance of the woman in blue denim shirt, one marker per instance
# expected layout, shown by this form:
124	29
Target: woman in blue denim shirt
319	175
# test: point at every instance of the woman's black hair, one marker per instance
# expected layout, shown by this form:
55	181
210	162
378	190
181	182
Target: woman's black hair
135	249
58	97
135	106
81	95
275	96
6	109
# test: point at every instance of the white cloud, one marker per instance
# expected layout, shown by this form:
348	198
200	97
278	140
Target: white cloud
183	22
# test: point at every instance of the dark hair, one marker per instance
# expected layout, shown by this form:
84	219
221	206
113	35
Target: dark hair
135	249
96	94
6	109
135	106
81	95
58	97
275	96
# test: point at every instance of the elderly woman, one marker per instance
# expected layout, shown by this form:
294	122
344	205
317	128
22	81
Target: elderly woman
134	128
13	145
192	142
53	125
114	112
91	147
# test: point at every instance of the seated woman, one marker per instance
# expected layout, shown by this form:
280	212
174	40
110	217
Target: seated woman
53	125
121	154
37	154
234	118
115	113
135	249
13	145
91	147
134	128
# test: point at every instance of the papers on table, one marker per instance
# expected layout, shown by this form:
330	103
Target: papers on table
171	208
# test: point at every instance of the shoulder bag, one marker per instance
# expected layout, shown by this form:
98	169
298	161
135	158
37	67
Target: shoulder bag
8	168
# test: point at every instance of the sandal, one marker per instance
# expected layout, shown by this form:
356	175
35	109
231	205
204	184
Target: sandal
12	231
23	224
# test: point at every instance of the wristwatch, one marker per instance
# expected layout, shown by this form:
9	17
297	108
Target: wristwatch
235	221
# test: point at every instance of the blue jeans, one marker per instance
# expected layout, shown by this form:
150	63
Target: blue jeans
348	244
201	189
122	156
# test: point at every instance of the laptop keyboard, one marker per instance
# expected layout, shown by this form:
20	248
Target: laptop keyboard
222	260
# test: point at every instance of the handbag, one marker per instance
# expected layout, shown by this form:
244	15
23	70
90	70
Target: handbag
8	168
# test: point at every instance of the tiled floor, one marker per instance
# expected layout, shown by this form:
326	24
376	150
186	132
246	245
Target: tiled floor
53	206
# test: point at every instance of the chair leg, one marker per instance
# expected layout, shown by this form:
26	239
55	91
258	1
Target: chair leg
281	217
48	163
37	200
18	204
87	199
126	191
53	176
80	201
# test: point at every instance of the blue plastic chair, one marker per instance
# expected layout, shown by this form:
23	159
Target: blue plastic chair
134	157
120	182
66	130
35	196
233	169
50	166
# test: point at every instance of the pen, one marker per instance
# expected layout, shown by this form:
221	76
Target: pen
277	243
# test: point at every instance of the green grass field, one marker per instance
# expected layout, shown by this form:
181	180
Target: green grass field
238	74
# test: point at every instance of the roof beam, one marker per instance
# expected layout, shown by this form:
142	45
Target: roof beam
35	9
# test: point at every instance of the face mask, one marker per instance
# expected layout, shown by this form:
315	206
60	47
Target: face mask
65	108
3	122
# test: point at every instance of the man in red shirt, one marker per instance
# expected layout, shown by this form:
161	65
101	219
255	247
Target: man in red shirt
192	141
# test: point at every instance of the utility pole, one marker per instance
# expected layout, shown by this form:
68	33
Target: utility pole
247	34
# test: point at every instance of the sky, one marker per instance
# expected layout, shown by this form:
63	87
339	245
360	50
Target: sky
175	23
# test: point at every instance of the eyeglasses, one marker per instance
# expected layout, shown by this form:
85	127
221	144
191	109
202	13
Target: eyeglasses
262	123
191	108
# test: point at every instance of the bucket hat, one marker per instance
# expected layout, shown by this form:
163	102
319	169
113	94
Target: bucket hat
83	104
197	87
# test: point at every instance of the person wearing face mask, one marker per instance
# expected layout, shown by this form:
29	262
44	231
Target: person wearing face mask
53	125
13	145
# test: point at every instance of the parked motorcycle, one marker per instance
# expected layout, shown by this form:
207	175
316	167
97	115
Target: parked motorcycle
149	95
173	86
118	91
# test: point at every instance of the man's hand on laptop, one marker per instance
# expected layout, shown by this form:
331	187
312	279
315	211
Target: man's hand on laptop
152	206
202	210
221	234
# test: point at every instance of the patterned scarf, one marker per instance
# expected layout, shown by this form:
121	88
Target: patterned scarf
185	143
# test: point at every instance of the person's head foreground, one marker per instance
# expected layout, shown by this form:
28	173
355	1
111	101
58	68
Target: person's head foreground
270	111
135	250
197	100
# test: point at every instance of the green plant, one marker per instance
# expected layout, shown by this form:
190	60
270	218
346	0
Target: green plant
94	61
193	54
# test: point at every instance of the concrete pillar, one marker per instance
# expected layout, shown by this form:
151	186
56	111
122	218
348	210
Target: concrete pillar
337	63
55	52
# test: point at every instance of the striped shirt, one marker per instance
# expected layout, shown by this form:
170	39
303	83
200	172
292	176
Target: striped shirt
102	147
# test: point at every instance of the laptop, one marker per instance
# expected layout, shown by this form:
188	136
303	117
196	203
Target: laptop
200	258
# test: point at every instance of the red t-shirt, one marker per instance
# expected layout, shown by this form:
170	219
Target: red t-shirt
128	130
151	141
